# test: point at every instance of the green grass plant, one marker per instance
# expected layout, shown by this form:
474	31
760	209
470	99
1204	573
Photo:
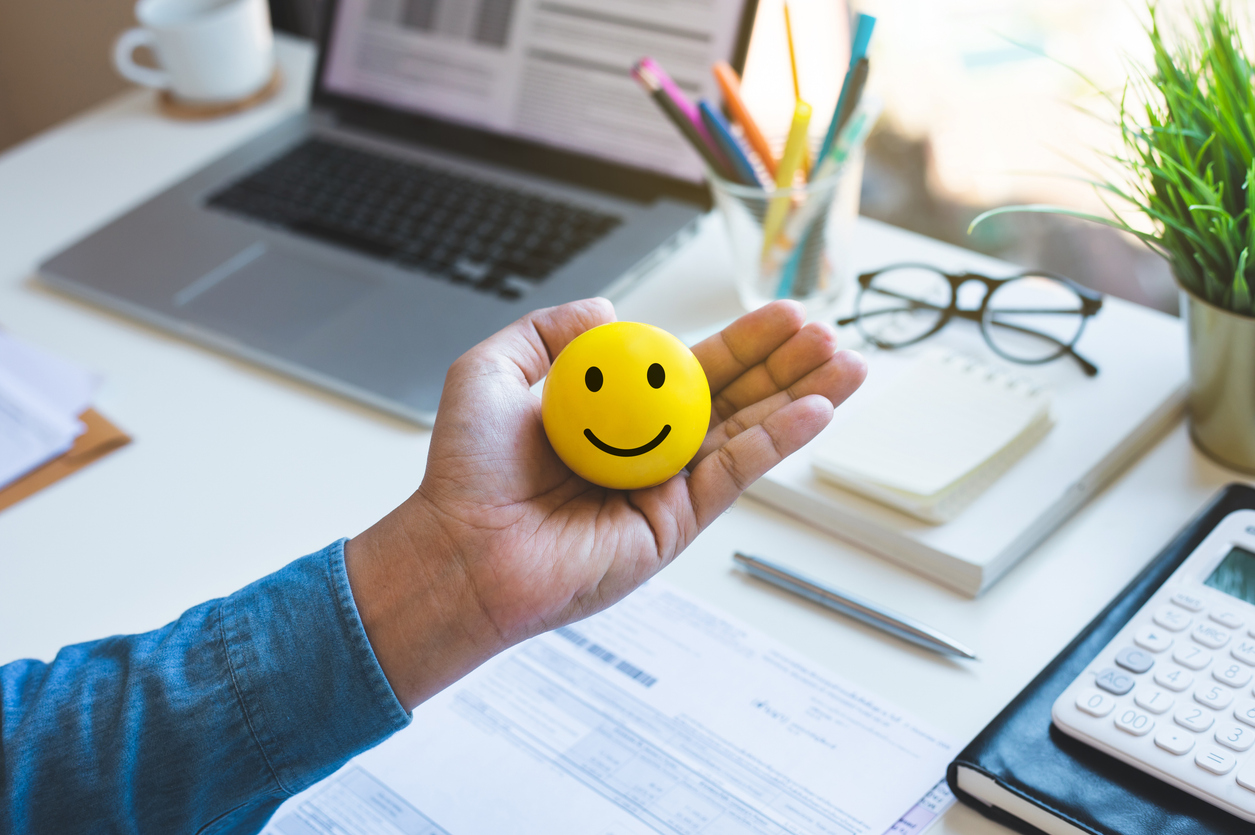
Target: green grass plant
1187	158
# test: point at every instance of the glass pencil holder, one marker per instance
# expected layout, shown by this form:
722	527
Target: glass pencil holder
792	243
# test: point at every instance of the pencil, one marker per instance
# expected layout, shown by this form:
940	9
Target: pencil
788	31
790	162
856	81
858	51
680	119
673	92
730	85
862	37
797	88
718	127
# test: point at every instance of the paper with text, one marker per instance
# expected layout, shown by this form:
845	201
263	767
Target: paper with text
659	715
41	397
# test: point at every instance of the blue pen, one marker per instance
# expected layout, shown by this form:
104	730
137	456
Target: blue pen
858	49
862	37
724	138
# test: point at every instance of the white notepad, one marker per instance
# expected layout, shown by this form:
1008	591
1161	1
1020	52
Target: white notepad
937	437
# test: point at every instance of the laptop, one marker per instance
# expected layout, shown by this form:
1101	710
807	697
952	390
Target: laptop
463	162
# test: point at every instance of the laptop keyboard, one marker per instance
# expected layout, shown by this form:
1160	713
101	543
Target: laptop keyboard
468	231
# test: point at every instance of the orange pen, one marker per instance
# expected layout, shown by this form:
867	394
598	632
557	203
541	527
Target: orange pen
730	84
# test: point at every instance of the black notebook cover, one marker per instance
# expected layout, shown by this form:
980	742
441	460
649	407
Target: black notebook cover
1028	756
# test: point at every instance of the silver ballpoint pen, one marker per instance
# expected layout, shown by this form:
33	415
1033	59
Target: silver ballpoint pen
847	604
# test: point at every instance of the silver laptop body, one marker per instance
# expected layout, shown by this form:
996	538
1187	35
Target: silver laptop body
370	326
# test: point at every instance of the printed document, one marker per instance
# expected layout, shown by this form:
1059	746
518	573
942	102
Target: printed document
41	397
660	715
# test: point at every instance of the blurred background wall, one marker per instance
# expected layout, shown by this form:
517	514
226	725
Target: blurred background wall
55	56
54	60
983	108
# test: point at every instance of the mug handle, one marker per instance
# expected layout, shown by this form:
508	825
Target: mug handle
124	59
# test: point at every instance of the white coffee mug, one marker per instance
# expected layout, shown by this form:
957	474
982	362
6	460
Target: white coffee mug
207	51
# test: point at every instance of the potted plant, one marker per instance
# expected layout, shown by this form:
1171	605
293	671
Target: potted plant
1188	163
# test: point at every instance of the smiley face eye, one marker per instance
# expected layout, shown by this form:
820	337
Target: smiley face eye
656	375
593	379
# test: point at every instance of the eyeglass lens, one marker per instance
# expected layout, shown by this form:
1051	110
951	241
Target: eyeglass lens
902	305
1029	319
1033	319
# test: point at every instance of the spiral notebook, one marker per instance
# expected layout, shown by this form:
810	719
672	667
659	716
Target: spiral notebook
1100	425
937	437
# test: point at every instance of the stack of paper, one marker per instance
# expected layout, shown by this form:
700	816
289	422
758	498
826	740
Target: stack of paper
937	437
41	398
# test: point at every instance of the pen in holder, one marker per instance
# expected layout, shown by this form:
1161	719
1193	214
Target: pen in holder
792	243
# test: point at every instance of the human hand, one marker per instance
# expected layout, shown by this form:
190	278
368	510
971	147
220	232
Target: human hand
502	541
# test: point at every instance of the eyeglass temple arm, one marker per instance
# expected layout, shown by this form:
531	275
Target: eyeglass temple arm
1088	367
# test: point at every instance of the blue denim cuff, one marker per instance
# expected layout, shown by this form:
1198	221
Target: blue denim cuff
312	691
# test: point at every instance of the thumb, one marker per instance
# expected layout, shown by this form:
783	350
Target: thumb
530	344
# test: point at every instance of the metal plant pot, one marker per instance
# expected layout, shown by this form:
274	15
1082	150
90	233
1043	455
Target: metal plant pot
1222	382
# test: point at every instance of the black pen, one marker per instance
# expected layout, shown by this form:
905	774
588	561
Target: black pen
869	613
852	92
647	80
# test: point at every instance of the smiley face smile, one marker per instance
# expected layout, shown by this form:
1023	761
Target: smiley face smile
626	382
628	453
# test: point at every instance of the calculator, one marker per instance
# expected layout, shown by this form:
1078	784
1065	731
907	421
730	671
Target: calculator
1172	693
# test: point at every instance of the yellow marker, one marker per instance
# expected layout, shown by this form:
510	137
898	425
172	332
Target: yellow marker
797	87
626	405
790	163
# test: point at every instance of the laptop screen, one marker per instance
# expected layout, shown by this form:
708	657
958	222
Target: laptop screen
554	72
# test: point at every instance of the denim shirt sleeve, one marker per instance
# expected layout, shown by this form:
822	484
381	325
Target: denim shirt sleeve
204	725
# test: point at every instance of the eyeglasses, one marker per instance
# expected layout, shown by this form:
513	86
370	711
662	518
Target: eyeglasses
1030	318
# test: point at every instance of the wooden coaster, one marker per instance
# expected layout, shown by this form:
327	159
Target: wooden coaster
191	111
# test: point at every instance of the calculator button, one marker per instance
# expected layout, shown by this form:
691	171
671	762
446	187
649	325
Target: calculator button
1244	651
1153	699
1194	718
1134	722
1214	696
1246	775
1226	618
1189	655
1174	740
1095	702
1114	681
1245	712
1174	620
1235	736
1135	660
1187	601
1173	678
1210	636
1153	639
1234	675
1215	760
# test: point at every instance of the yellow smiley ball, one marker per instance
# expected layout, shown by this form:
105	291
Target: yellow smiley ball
626	405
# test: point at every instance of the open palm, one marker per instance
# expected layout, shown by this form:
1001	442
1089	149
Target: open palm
538	546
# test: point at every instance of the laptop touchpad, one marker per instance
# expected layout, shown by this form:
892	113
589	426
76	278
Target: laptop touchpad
269	298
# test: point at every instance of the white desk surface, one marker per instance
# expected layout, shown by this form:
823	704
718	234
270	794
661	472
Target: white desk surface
234	471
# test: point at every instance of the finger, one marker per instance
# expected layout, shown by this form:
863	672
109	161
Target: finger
724	474
805	351
748	341
531	343
834	380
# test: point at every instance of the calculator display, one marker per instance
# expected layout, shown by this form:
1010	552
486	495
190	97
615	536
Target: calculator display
1235	575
